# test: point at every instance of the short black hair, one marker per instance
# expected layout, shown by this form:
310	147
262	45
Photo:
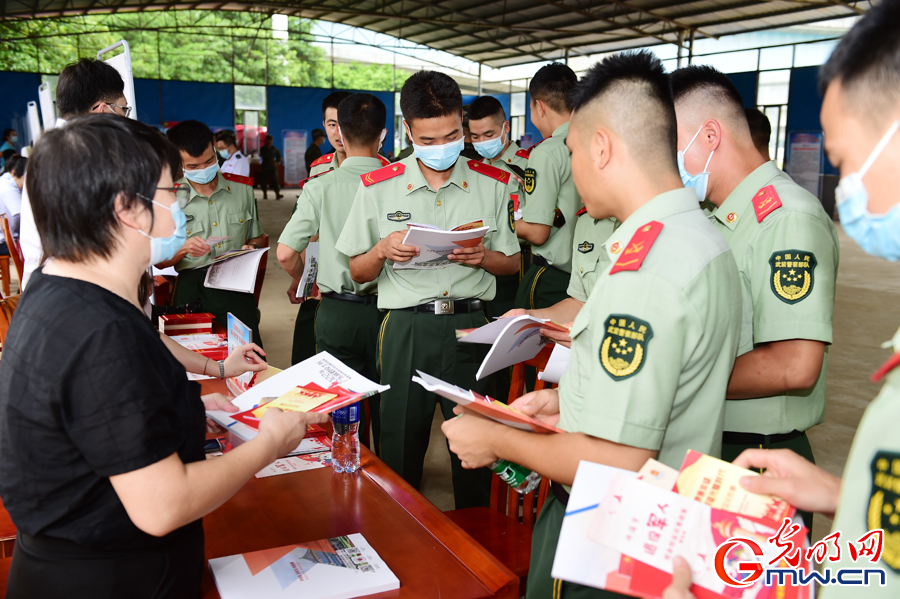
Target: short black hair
707	79
361	118
15	165
227	137
485	106
7	154
760	127
7	132
83	84
74	207
317	133
430	95
633	90
552	85
192	137
333	100
867	60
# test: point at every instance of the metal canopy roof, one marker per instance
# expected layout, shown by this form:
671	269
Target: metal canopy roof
499	33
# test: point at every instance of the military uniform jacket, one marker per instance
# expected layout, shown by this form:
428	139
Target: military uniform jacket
787	251
238	164
514	162
551	198
589	259
324	207
652	347
402	196
229	212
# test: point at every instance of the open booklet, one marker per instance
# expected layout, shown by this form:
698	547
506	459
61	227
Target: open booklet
626	542
514	339
323	369
308	398
235	270
557	365
435	244
487	407
336	568
306	287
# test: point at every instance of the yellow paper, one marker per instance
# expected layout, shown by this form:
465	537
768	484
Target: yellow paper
297	399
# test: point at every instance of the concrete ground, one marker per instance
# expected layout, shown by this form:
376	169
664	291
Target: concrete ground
865	316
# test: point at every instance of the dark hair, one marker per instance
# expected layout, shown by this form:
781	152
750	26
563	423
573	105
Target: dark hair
6	133
708	80
333	100
84	83
640	101
317	133
7	154
485	106
868	58
15	165
430	95
192	137
74	207
760	127
552	85
361	118
227	137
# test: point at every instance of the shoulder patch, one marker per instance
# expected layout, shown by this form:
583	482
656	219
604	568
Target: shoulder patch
765	202
384	161
491	171
793	275
325	159
238	179
308	179
637	248
582	211
526	153
382	174
530	180
883	497
624	347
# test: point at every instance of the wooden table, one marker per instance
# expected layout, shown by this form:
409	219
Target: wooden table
430	554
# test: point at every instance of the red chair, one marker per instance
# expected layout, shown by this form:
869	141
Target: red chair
7	535
14	251
505	528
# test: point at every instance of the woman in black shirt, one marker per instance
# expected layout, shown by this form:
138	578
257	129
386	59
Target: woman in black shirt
101	436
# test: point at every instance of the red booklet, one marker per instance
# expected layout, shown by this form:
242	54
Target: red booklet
308	398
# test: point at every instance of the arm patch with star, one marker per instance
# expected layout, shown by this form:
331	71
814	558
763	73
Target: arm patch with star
793	275
624	347
530	179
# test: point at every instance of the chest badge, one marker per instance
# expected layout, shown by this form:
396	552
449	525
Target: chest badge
398	216
793	275
585	247
884	505
624	348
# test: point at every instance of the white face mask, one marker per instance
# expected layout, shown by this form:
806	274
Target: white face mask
700	181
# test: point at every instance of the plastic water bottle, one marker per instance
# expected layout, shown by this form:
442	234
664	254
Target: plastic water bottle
345	441
521	479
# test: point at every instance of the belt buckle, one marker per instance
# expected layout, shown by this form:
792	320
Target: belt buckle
443	307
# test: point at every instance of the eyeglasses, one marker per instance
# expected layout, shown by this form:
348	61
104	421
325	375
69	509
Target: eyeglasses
181	191
124	109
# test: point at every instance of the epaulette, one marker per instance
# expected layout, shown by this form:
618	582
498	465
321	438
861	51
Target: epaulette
382	174
308	179
637	248
491	171
527	153
238	178
888	366
582	211
384	161
323	159
765	202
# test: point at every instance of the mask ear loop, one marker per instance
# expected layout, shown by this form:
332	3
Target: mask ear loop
708	160
688	147
879	149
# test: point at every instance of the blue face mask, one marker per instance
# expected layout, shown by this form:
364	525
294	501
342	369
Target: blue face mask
224	154
490	148
203	175
878	235
14	139
165	248
699	182
439	158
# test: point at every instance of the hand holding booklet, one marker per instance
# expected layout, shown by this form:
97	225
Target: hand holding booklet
235	270
435	244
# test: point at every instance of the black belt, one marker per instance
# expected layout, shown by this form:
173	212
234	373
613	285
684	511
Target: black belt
758	439
540	261
352	297
463	306
560	493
